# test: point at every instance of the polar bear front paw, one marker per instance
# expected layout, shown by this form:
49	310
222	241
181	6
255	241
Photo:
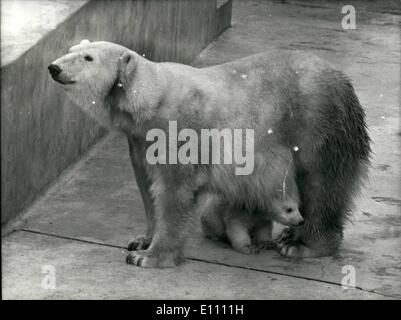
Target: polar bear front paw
296	251
139	243
267	245
147	259
250	249
286	236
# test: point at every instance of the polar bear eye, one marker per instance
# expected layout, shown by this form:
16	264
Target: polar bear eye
88	58
288	210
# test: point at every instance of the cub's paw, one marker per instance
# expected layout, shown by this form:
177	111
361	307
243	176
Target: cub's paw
297	251
139	243
286	236
249	249
267	245
146	259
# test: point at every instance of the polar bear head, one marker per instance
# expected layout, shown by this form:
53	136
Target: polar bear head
286	211
98	77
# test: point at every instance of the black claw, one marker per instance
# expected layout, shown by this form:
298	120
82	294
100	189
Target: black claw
133	246
271	245
128	259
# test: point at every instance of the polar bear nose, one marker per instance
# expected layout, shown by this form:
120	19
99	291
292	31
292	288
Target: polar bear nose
54	70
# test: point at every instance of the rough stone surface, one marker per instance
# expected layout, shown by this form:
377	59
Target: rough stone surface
98	200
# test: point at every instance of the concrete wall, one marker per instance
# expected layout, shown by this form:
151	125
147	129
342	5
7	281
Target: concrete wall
41	132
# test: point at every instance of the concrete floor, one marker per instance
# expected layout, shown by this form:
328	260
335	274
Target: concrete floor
84	223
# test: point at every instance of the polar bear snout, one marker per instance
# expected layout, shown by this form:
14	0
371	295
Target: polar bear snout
300	222
54	70
295	219
56	73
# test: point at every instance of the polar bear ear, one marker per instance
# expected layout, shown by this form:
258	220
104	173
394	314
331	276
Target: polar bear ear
84	42
126	68
77	46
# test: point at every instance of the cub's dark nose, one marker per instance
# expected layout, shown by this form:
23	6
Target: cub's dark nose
300	223
54	70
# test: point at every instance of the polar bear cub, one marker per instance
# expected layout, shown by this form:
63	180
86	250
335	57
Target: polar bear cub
250	231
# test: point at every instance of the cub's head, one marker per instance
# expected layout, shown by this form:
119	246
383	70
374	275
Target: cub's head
90	71
286	211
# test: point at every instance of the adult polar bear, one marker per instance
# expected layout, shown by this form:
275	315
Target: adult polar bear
300	98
